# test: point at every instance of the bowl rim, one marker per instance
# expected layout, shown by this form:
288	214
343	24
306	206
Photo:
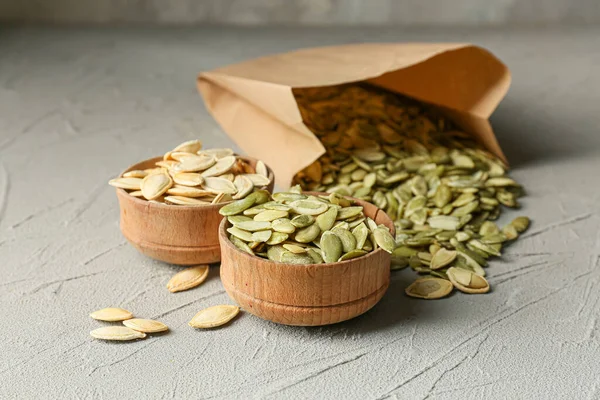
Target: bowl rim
123	192
224	241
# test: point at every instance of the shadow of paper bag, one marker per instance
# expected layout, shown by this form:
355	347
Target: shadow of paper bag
254	104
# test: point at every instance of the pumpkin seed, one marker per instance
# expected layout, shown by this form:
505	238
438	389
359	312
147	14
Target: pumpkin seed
302	221
429	288
218	185
191	146
120	333
294	248
217	153
261	169
467	281
270	215
135	174
111	314
331	246
243	185
442	258
240	244
193	163
222	166
283	225
185	201
261	236
293	258
258	179
145	325
276	238
238	206
188	278
253	226
521	224
126	183
308	207
326	220
384	239
187	191
188	179
215	316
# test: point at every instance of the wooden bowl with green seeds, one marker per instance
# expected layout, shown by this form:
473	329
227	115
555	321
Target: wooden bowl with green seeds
177	233
311	284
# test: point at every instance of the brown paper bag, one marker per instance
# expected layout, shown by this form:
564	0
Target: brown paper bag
254	104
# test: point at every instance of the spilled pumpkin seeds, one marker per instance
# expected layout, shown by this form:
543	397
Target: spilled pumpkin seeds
134	328
191	176
441	188
297	228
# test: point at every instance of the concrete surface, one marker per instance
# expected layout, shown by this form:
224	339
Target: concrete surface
78	106
304	12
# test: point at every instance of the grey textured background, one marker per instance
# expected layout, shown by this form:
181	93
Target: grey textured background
304	12
79	105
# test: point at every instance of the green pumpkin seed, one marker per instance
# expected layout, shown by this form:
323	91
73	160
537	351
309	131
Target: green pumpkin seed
361	233
348	240
444	222
283	225
253	226
442	258
521	224
277	238
429	288
308	207
238	206
302	221
352	254
292	258
261	236
326	220
274	253
240	234
331	247
384	239
308	234
349	212
315	254
270	215
240	244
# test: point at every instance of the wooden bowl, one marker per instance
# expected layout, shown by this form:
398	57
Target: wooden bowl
184	235
310	294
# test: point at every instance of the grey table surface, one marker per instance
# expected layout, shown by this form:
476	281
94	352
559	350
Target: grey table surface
79	105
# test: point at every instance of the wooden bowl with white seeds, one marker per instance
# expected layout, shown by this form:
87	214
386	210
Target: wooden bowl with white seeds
179	224
296	290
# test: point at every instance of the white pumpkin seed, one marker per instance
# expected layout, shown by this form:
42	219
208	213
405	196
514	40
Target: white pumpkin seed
126	183
215	316
155	185
145	325
120	333
111	314
188	278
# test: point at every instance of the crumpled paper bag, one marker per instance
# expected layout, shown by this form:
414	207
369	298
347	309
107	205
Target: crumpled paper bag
254	104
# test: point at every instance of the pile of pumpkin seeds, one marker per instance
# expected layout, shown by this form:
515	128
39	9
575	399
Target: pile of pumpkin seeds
189	175
297	228
441	188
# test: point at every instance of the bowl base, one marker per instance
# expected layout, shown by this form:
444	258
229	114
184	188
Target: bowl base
305	316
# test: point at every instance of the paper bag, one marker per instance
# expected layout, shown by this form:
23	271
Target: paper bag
254	104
